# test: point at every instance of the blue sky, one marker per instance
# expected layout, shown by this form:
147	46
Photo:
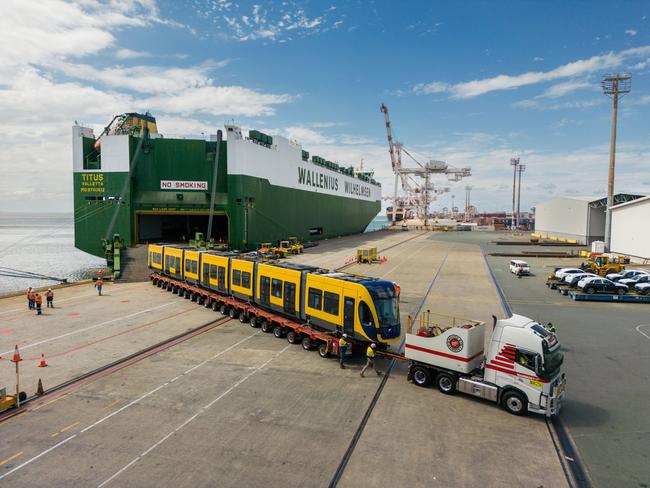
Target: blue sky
471	83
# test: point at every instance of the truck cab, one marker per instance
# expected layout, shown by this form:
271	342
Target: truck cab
521	369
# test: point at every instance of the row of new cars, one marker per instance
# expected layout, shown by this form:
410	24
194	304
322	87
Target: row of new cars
613	283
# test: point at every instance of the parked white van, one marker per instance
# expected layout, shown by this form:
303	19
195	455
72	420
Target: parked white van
519	267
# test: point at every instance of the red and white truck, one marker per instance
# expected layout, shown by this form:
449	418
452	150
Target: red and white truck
520	367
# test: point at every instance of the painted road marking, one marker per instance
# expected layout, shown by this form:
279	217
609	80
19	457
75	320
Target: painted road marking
64	429
121	409
11	458
190	419
638	329
91	327
50	402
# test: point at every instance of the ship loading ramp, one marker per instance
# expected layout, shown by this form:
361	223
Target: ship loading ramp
178	226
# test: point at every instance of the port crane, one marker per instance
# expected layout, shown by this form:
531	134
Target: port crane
416	181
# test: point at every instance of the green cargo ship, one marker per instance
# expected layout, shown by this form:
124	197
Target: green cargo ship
133	182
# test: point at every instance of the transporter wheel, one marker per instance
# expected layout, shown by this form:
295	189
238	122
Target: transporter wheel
620	291
233	313
175	290
253	322
186	294
515	403
207	303
422	376
590	291
306	343
155	282
163	285
243	318
170	287
224	309
323	350
194	297
278	332
266	326
445	383
215	306
293	337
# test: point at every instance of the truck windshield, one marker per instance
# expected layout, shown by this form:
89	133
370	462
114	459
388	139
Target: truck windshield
552	362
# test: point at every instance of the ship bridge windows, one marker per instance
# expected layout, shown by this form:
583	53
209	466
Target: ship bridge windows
178	226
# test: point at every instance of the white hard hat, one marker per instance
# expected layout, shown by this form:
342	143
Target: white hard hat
49	289
373	345
345	336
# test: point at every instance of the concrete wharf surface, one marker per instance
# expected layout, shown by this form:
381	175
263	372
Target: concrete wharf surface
606	359
237	407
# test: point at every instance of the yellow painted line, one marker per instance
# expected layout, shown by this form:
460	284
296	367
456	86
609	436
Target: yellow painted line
68	427
11	458
55	434
111	405
50	402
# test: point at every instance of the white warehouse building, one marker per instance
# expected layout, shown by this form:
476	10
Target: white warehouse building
578	218
631	229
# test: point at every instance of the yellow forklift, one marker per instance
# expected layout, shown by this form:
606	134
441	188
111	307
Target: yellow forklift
9	401
603	264
291	245
269	249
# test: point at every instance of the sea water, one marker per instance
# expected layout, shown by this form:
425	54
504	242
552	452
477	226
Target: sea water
378	223
43	244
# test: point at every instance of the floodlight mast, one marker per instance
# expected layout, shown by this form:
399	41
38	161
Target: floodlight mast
614	86
515	163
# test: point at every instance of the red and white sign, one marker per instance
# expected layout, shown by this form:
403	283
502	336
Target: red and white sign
184	185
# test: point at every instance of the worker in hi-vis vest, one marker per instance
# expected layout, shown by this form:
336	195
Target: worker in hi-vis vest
370	360
343	348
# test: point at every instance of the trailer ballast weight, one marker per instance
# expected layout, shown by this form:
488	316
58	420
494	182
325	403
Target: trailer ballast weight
521	369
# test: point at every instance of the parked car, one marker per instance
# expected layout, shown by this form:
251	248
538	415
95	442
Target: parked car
640	278
573	279
562	272
630	273
643	288
602	285
519	267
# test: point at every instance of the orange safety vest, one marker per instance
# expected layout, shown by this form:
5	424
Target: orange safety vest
99	283
49	294
39	300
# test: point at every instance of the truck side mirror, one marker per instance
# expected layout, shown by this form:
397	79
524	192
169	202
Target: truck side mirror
538	365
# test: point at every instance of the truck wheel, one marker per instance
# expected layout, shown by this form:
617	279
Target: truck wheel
590	291
293	337
266	326
620	291
421	376
224	309
233	314
306	343
278	332
322	350
253	322
243	318
515	403
445	383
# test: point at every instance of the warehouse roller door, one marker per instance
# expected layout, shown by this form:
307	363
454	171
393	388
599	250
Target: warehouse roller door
178	226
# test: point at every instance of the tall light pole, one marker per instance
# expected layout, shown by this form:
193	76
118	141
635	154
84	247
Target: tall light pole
515	163
520	169
614	85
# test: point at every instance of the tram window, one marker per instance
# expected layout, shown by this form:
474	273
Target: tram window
331	303
236	277
177	264
315	299
194	266
245	279
276	288
188	266
365	315
213	271
221	280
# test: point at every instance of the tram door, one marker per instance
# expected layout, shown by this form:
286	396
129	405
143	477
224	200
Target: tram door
206	275
265	290
348	316
290	298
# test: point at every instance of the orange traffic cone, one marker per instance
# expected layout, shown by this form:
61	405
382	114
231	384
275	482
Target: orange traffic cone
42	364
16	358
39	389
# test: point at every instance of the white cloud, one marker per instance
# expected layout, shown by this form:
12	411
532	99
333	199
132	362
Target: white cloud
561	89
631	32
537	104
588	66
538	58
131	54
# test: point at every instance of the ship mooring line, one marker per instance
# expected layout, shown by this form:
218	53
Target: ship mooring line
566	450
338	474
